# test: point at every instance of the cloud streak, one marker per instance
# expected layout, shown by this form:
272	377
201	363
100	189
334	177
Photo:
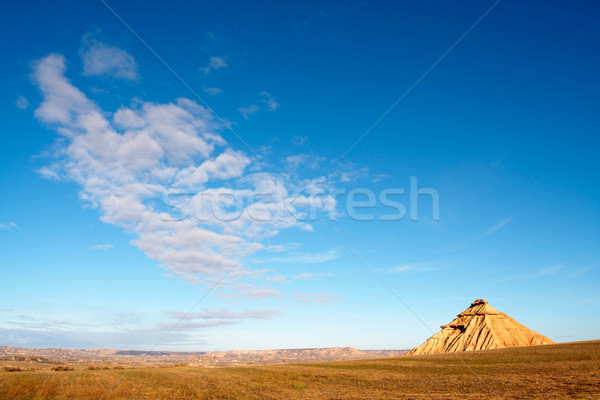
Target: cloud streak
536	273
104	247
306	258
496	228
316	298
226	314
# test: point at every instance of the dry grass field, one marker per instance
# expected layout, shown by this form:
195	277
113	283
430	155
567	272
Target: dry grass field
562	371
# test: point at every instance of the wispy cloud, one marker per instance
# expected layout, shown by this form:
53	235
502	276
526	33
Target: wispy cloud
316	298
265	97
299	140
46	324
211	318
248	111
248	291
306	258
269	100
535	273
196	325
496	227
48	173
311	275
461	245
304	275
21	103
214	63
213	91
8	225
303	160
82	337
102	59
226	314
104	247
412	267
280	248
349	172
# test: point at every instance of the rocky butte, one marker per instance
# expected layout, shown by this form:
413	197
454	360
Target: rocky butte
480	327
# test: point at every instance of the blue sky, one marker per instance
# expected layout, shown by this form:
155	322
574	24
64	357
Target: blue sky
102	141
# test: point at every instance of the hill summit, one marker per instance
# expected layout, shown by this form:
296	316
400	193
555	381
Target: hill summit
480	327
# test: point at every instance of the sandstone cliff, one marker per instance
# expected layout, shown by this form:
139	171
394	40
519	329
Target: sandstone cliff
480	327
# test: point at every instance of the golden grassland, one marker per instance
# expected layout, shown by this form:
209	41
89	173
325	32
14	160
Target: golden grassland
570	370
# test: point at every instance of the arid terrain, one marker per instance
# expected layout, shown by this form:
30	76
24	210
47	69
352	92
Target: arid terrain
559	371
32	358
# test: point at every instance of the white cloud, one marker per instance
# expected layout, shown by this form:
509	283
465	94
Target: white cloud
127	162
303	160
299	140
229	164
213	91
269	100
8	225
104	247
21	103
48	173
247	111
102	59
214	63
217	62
351	174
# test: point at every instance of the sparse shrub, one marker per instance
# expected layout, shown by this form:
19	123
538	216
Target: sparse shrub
299	387
62	368
9	368
93	367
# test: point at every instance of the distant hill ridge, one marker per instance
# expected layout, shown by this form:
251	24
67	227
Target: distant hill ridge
203	358
283	356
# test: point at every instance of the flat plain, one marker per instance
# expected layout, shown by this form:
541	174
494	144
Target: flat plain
561	371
